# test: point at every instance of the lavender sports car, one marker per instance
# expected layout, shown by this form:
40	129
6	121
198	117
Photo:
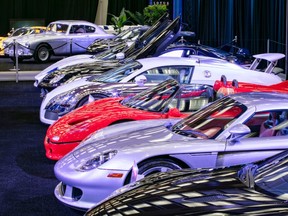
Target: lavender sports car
236	129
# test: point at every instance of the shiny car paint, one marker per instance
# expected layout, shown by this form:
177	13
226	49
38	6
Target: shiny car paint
226	191
67	132
203	70
226	134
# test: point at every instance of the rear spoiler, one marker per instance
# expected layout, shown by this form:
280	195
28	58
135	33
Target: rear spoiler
272	58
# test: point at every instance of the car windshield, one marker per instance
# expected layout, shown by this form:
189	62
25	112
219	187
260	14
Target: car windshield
57	28
210	121
270	176
117	74
156	99
20	31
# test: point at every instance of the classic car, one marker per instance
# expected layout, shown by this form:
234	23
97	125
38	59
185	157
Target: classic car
254	189
149	43
128	36
13	34
154	103
63	37
195	69
223	87
237	129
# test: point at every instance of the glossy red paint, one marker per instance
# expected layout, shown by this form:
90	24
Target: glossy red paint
67	132
232	87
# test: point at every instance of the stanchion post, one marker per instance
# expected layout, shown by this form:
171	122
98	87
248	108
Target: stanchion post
16	60
14	53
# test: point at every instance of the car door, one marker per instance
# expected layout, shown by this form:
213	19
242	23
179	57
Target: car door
81	37
258	144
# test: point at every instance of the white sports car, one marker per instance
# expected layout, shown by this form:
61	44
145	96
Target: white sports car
196	69
234	130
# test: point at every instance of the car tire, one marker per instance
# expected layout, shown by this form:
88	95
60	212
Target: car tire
158	165
42	53
84	100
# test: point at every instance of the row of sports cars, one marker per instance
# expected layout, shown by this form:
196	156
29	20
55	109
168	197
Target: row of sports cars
127	122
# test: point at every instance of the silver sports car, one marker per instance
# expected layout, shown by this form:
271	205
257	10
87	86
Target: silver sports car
63	37
237	129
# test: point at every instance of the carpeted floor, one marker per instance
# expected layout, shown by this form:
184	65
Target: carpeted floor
27	65
27	178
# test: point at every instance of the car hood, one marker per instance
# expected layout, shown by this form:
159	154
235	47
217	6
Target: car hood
80	123
186	191
77	59
82	69
38	37
128	142
65	89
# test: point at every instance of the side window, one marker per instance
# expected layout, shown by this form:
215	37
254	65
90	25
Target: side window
76	29
270	123
90	29
182	74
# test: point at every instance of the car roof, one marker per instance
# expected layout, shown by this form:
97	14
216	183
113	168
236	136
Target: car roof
72	22
192	60
262	100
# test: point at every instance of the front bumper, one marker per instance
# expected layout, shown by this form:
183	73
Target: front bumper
57	151
22	52
84	190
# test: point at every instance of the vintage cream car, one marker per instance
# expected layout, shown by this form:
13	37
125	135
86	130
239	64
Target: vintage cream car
63	37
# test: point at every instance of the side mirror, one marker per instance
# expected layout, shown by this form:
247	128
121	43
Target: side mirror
174	112
238	131
140	80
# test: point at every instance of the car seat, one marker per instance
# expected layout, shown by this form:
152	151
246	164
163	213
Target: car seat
267	128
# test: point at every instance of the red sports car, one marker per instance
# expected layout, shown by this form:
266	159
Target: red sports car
223	87
156	103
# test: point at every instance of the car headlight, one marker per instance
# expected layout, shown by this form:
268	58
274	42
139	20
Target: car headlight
62	104
98	160
56	79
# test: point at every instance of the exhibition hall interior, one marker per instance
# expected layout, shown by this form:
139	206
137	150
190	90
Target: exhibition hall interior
147	107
